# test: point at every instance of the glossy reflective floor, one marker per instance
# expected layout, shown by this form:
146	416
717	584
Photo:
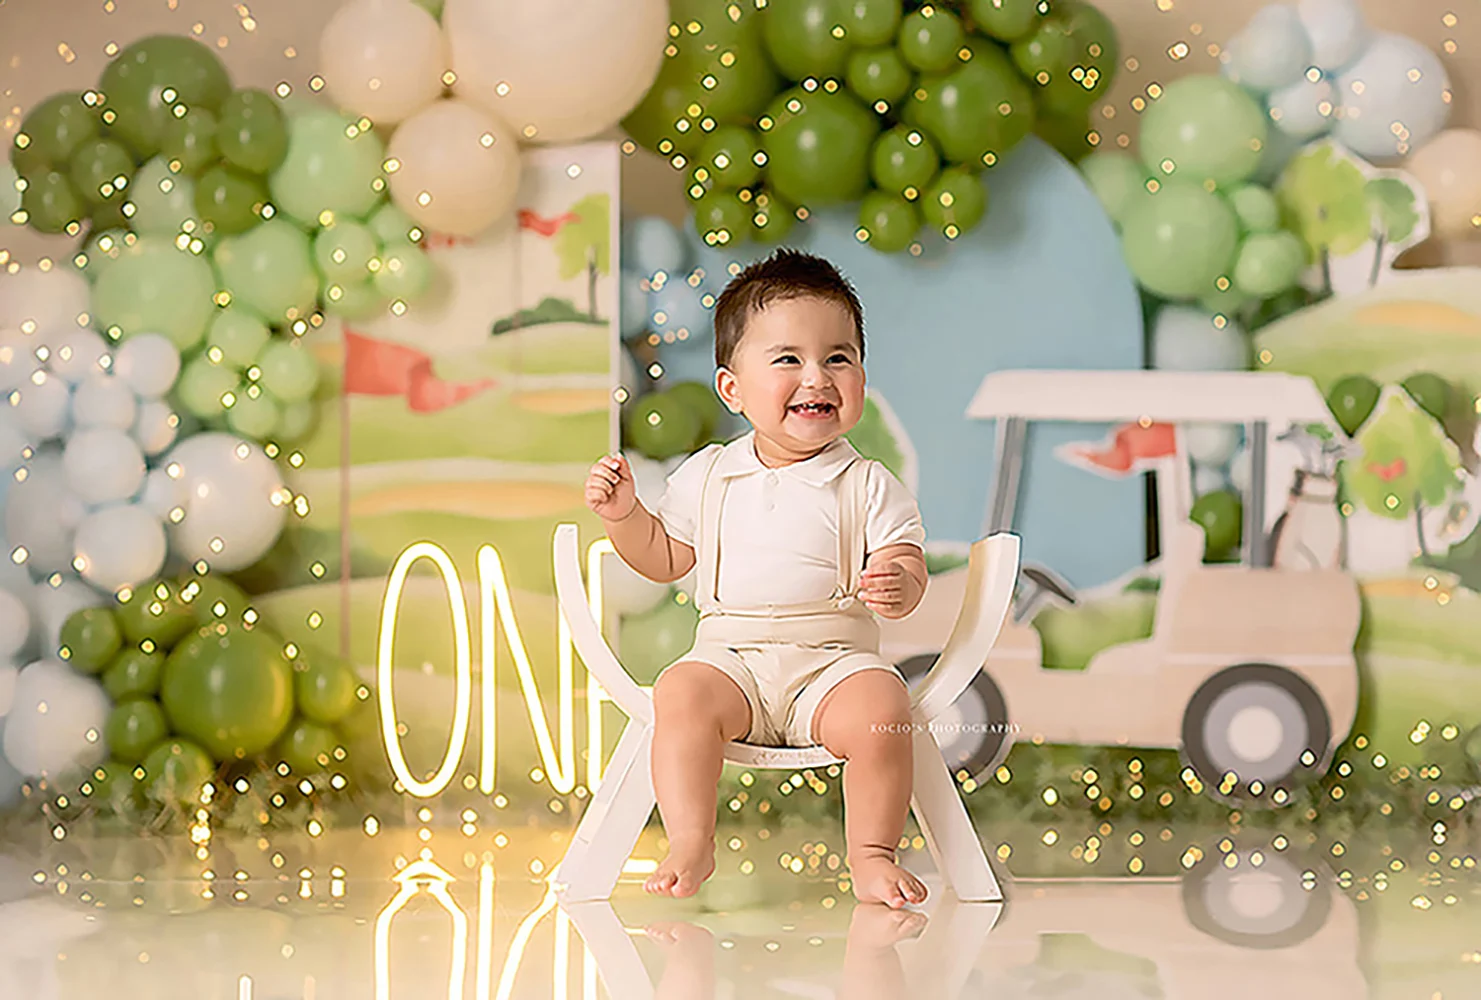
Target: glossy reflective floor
444	913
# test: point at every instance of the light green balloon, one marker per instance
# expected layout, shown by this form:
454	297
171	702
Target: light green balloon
203	386
269	269
238	335
391	225
332	166
254	414
1269	263
1117	180
1202	128
361	300
1180	240
103	249
1256	208
297	420
164	201
288	370
344	251
405	273
155	288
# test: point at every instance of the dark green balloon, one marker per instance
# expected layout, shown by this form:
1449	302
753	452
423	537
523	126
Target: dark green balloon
176	772
705	403
306	747
772	217
1430	393
662	426
930	39
729	157
888	222
818	147
324	689
134	728
878	75
903	161
1068	134
721	219
230	201
134	674
51	202
1070	57
230	689
869	22
1221	515
253	135
52	132
111	785
805	39
954	202
977	112
1352	400
190	140
144	82
91	638
152	616
100	170
1007	20
213	598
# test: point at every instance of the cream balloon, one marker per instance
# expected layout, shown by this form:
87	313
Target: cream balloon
1449	167
556	75
454	168
383	59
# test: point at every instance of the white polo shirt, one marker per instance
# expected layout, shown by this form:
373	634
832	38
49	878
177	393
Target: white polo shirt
779	527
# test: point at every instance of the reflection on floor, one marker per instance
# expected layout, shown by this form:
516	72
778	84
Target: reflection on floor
432	913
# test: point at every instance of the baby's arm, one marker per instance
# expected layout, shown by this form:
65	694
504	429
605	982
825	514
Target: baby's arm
894	580
637	535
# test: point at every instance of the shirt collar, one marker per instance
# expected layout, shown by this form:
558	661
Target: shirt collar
739	459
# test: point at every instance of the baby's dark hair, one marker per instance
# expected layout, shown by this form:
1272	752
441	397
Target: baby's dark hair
786	274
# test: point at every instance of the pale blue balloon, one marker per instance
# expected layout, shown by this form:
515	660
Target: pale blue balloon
119	546
17	360
1188	339
1279	150
149	363
104	465
104	400
155	428
162	494
676	312
1396	83
76	354
633	310
43	406
41	513
651	244
1272	51
15	628
1337	31
1305	109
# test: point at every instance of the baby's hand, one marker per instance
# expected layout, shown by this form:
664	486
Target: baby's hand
882	588
610	490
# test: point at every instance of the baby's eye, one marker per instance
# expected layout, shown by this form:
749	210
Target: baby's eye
841	357
785	357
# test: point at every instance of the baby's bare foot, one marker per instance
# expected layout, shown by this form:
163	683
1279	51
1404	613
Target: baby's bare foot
689	972
877	879
875	925
683	870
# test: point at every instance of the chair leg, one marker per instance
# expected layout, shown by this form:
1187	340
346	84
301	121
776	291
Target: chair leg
947	828
613	821
617	958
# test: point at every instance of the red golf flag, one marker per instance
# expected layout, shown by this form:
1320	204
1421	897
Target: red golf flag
1130	448
542	225
377	368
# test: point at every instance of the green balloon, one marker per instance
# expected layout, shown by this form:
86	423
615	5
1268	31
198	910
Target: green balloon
1352	400
405	273
269	269
977	112
1117	179
887	222
1256	209
229	201
111	214
176	773
706	405
253	134
111	785
930	39
721	218
297	422
801	38
146	81
818	146
360	300
1221	515
134	674
1430	393
100	170
1007	20
877	75
1180	240
324	689
433	7
1068	134
153	287
1069	57
213	599
332	166
152	618
254	414
204	385
903	162
231	692
51	203
188	141
391	226
103	249
954	202
1204	128
164	201
306	747
91	637
730	155
653	640
236	338
1269	263
134	728
288	370
52	132
869	22
1225	302
343	251
662	426
667	120
772	218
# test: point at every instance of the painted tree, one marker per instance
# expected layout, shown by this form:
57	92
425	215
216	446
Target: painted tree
1394	214
1324	196
585	244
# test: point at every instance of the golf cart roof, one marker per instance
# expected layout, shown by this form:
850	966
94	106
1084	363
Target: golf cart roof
1171	397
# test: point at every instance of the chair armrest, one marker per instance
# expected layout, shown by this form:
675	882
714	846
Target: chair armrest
992	571
591	646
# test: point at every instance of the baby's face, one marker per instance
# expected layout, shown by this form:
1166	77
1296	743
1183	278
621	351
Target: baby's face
797	375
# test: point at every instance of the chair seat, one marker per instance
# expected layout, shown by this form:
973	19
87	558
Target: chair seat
779	758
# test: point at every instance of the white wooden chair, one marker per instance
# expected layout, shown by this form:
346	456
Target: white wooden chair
617	813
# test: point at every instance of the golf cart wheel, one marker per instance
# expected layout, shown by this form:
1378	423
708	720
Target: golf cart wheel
1275	903
973	733
1262	724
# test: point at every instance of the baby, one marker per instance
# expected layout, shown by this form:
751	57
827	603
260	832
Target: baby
798	543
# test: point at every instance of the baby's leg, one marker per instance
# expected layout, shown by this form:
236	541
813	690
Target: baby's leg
697	709
871	964
865	720
689	972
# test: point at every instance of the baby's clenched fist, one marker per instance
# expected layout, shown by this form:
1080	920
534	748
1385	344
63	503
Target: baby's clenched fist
611	492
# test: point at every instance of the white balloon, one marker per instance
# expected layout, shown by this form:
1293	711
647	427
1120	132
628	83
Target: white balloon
1188	339
17	359
76	354
556	74
149	363
1211	444
11	781
13	443
1449	167
383	59
1305	109
43	303
56	603
163	493
458	168
1272	51
119	546
1397	85
41	513
1208	479
235	502
104	400
56	723
1239	472
43	406
1337	31
155	428
104	465
15	625
9	673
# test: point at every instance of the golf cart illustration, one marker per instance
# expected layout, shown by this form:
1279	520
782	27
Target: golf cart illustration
1249	667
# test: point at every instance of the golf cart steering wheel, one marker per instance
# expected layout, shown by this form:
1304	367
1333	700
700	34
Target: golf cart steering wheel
1037	585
